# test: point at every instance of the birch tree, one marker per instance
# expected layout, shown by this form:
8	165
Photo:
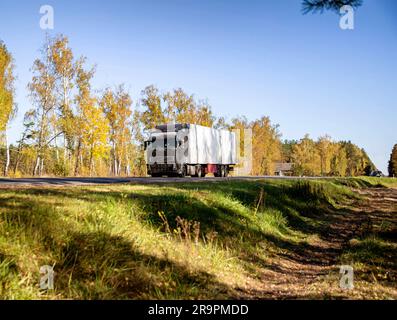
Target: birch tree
153	113
306	157
117	108
183	108
42	93
266	145
339	162
7	100
64	68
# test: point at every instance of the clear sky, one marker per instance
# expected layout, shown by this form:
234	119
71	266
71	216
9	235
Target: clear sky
247	58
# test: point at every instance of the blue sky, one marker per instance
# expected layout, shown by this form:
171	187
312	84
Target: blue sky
247	58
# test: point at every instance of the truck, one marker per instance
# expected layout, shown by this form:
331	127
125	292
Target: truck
190	150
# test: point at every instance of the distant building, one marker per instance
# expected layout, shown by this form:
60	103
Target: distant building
283	169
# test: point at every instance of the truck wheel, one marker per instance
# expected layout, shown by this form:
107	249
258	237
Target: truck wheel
199	171
183	173
226	171
218	172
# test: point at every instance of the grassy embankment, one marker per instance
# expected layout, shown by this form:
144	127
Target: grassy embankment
207	240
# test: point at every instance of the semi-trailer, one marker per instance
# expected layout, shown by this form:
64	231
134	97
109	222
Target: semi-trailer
190	150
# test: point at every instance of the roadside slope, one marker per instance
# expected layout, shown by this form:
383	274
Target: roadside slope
220	239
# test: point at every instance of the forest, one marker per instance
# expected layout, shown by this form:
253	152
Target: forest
73	129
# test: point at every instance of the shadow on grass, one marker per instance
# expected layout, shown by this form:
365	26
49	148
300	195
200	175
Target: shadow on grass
294	206
100	265
114	267
97	265
235	230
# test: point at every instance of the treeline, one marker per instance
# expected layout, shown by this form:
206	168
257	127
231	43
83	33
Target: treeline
74	130
325	157
392	168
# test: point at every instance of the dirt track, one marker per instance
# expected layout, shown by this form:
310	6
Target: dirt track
312	271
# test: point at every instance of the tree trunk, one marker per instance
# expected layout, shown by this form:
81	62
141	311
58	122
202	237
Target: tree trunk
115	167
118	167
94	167
65	155
37	165
41	167
7	164
76	169
90	163
18	159
114	160
127	167
56	147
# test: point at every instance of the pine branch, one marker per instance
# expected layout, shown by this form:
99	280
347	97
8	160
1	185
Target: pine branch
315	6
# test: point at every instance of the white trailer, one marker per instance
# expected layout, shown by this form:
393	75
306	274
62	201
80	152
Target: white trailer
189	149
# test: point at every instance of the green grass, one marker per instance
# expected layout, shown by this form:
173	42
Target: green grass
144	242
368	182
